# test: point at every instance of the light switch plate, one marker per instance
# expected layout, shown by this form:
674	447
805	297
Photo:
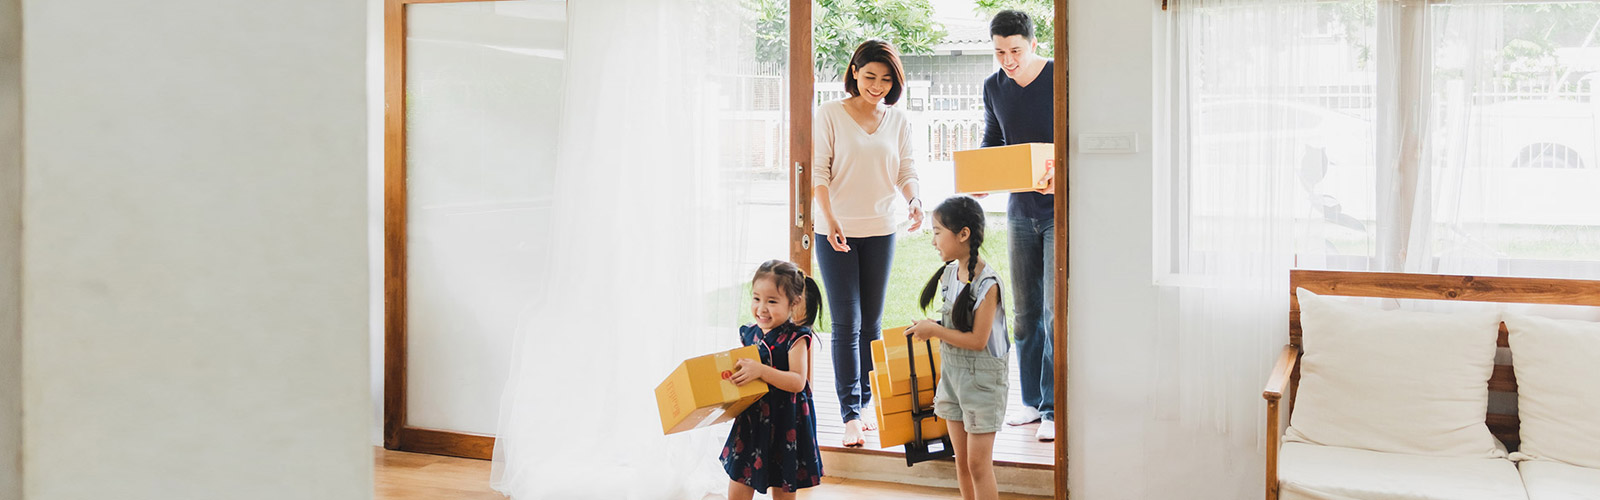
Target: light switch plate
1117	143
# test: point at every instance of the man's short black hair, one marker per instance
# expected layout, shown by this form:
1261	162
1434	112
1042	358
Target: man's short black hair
1011	22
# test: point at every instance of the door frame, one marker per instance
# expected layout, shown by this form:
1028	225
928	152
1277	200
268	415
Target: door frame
801	97
1063	226
397	433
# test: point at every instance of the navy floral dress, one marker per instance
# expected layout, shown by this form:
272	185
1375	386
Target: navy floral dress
773	444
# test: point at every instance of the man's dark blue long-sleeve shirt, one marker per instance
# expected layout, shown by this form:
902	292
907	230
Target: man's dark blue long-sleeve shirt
1020	115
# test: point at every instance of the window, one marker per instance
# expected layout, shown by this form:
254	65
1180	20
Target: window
1443	136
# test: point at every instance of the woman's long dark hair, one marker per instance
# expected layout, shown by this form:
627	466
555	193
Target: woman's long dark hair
957	213
794	285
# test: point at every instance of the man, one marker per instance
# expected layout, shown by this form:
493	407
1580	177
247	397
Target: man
1019	106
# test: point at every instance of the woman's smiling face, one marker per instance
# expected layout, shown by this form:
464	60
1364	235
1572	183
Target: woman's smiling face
874	80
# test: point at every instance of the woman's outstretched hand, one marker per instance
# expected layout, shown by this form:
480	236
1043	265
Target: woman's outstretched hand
916	218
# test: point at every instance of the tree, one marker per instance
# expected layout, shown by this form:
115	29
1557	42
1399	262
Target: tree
1531	33
1534	32
1043	13
839	26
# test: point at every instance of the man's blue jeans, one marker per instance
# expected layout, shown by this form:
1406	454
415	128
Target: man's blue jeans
1033	262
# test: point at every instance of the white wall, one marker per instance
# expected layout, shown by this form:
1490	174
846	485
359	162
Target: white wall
196	322
1119	449
10	248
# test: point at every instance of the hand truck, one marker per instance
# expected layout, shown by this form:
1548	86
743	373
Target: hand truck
919	449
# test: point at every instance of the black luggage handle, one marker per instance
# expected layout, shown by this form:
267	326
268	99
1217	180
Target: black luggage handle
920	450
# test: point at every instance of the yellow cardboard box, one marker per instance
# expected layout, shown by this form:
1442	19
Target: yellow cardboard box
889	356
1016	168
894	429
900	403
698	393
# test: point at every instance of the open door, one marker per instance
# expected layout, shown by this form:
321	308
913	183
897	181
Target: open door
802	100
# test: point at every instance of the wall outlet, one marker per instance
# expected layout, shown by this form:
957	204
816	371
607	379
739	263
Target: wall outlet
1118	143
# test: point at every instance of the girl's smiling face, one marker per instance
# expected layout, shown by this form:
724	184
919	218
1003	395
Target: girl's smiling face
769	306
874	81
950	245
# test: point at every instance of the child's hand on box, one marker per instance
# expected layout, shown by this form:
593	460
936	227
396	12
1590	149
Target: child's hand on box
747	370
923	329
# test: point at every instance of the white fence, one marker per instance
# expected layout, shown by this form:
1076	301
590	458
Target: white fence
757	121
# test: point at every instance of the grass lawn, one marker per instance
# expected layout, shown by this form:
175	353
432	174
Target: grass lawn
914	262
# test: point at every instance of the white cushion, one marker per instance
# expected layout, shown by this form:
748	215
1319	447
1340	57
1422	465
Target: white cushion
1395	381
1558	388
1546	480
1313	472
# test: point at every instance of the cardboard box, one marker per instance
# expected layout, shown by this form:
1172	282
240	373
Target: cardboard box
698	393
1015	168
889	355
894	429
900	403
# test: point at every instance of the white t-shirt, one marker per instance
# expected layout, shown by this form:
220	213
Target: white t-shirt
864	172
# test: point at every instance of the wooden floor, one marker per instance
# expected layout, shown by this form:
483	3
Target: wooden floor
414	476
411	476
1014	446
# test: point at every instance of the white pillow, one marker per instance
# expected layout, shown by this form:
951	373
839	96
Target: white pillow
1558	388
1395	381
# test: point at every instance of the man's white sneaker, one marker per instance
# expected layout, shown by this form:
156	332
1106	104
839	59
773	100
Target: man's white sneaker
1047	430
1026	415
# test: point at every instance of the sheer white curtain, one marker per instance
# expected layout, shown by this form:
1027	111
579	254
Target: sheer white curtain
1504	179
1441	137
644	268
1250	151
1508	181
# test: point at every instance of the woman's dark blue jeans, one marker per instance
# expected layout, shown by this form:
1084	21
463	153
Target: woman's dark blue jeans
856	282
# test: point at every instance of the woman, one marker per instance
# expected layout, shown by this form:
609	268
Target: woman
861	160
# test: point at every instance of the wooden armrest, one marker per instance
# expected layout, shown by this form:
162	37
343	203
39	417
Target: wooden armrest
1280	373
1273	393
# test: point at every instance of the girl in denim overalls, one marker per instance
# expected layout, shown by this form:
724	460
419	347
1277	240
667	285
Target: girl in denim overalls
971	395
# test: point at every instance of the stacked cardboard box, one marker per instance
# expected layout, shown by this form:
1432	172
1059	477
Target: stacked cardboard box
698	393
895	429
891	386
891	356
890	402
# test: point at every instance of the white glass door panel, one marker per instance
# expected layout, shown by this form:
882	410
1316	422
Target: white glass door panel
483	103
